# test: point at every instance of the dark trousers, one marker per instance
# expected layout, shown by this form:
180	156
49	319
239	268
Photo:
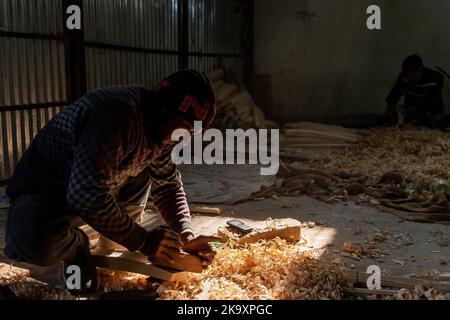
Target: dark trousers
41	231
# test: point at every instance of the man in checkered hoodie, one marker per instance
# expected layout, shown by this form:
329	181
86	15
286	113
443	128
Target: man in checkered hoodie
99	160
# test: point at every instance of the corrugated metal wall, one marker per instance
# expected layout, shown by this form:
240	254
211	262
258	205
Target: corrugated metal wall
126	41
32	73
214	27
130	28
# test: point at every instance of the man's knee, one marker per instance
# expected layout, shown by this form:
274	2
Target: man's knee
42	256
33	231
34	251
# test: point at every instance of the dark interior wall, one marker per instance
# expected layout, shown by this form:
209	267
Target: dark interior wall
316	60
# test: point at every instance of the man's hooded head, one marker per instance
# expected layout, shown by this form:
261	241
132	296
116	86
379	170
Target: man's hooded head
188	95
181	99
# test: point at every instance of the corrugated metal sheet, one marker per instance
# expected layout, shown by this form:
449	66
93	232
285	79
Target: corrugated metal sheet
134	23
115	67
139	24
31	16
207	64
214	28
32	71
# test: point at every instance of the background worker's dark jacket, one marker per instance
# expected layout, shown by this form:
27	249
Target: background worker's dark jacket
93	147
425	95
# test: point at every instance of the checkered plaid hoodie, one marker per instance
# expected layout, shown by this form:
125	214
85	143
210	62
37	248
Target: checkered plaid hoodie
91	149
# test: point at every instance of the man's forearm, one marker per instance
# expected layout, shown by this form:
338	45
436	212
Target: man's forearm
106	217
174	209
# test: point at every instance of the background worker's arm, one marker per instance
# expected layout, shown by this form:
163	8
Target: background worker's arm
437	103
395	95
104	142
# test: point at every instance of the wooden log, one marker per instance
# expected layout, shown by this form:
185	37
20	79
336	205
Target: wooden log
215	75
242	97
225	91
207	210
218	85
135	263
288	229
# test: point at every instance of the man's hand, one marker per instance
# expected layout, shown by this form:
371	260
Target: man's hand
202	246
187	236
163	246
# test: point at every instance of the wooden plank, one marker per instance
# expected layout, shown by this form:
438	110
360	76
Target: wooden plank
319	145
309	140
369	292
321	134
444	276
188	263
288	229
90	232
135	263
319	126
398	282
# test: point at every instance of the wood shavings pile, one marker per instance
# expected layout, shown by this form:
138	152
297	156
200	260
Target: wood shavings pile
111	280
352	251
33	290
26	288
419	155
10	274
267	270
420	292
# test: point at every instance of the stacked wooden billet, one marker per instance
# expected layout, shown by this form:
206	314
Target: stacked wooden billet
235	105
309	135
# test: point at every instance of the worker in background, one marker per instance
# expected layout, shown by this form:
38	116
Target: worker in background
422	90
98	160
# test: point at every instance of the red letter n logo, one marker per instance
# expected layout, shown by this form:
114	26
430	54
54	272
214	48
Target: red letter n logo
192	102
